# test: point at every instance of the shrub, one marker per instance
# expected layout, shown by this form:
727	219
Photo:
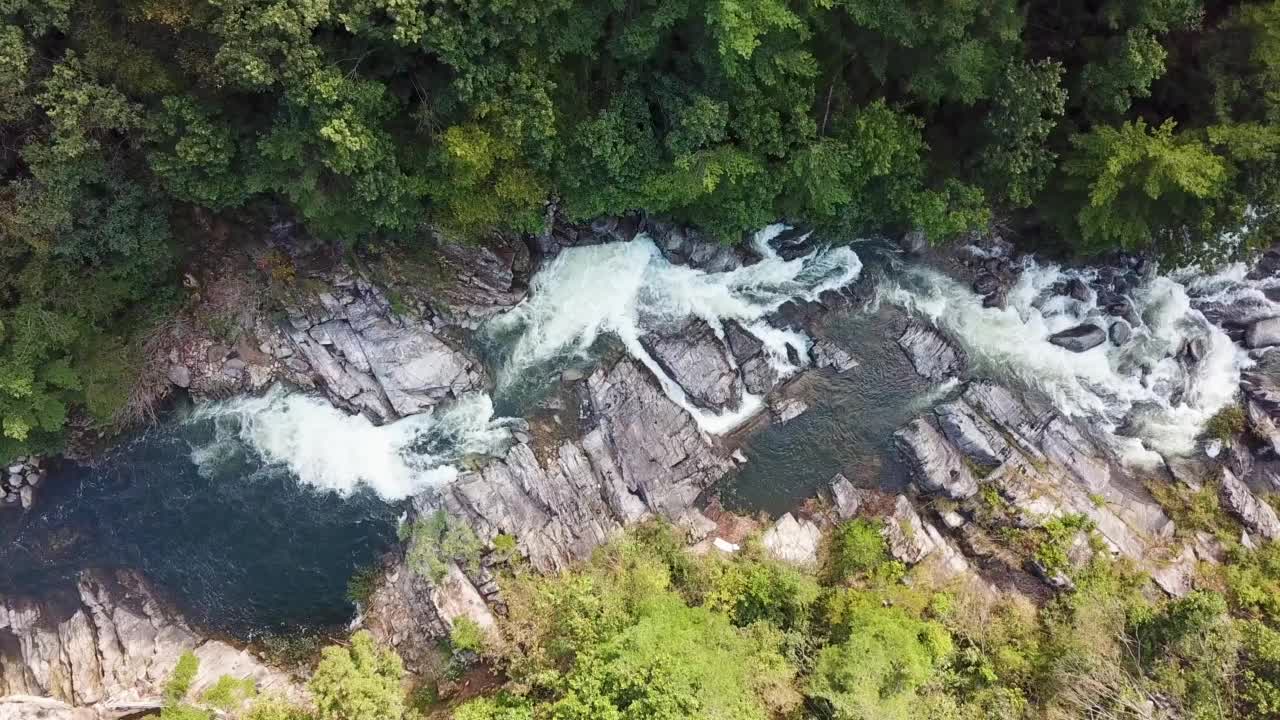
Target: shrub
363	583
184	673
437	540
1226	423
466	636
360	682
229	693
857	549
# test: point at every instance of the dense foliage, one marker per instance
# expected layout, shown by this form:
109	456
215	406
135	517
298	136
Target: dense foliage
647	630
1115	123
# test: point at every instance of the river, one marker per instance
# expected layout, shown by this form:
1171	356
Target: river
253	512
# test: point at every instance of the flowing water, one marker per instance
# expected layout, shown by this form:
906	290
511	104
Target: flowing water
253	512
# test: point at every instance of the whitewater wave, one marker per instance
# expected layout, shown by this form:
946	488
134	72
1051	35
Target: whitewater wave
328	449
1140	397
623	289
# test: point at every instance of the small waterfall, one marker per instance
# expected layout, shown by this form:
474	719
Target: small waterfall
626	289
331	450
1152	393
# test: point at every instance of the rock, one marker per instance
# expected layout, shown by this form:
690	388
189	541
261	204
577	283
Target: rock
912	540
456	598
788	409
216	353
27	495
16	481
1263	425
1263	333
234	364
110	643
936	466
725	546
695	358
998	299
986	283
826	354
971	434
371	360
179	375
643	457
846	499
930	353
482	279
1268	265
1077	290
793	541
1255	514
1119	333
914	242
1079	338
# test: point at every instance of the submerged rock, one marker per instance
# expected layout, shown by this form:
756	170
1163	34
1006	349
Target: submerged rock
788	409
1080	338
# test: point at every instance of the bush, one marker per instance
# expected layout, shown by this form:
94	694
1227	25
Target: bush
229	693
466	636
363	583
857	549
1226	423
437	540
360	682
184	673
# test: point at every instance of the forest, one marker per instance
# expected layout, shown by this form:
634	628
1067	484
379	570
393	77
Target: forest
648	631
1086	127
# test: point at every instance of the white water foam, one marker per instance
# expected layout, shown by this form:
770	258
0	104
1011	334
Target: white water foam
328	449
623	288
1139	396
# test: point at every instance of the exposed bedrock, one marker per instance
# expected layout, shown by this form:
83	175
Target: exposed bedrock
109	646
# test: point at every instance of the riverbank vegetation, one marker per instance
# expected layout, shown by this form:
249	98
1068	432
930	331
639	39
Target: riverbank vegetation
1130	124
648	630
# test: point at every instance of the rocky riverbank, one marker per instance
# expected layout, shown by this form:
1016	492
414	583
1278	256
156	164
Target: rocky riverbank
990	463
107	647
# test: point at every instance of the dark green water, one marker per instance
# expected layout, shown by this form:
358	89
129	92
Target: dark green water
849	425
244	550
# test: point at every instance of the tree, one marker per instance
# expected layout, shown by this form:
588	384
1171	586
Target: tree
360	682
1143	187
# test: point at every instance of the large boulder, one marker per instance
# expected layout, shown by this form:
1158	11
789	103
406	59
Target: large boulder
971	434
1256	514
935	464
700	363
930	353
645	456
794	541
370	359
1079	338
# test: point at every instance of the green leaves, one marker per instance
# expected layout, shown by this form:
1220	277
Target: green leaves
1142	184
361	682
